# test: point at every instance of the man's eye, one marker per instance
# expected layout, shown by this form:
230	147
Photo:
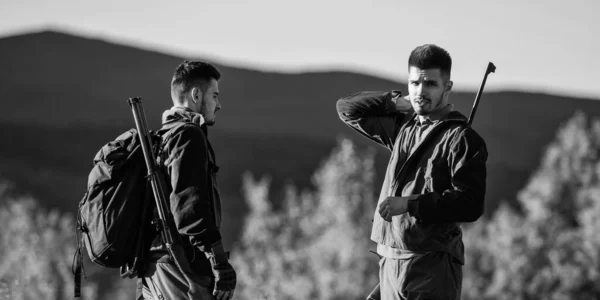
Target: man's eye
414	83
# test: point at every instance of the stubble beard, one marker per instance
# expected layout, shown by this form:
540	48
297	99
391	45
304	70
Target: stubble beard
203	112
429	107
422	110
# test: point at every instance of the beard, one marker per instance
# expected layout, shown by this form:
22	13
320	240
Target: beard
209	118
424	106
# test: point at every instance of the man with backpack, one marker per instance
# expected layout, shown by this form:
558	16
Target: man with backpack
435	179
194	200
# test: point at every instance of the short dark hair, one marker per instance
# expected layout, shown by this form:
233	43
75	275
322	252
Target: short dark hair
431	56
190	73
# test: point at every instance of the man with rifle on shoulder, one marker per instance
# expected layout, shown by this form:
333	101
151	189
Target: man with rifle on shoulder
435	180
194	201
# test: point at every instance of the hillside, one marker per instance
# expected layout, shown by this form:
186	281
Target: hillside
64	96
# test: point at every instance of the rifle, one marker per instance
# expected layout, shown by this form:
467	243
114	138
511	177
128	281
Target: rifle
157	179
491	68
375	294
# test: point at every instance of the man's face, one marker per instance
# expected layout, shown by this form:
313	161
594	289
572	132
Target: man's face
210	102
427	89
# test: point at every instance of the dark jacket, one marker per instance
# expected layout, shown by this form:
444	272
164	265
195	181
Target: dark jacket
194	195
447	171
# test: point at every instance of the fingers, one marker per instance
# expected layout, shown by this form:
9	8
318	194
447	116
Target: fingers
381	210
383	207
385	211
223	295
218	294
386	214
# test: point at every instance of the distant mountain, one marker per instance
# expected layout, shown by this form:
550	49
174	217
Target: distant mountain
64	96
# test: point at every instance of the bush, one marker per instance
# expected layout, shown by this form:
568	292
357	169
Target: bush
550	250
37	248
316	245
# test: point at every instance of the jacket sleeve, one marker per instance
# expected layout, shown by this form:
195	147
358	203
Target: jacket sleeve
191	194
372	114
464	202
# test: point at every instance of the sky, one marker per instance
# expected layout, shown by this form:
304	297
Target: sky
542	46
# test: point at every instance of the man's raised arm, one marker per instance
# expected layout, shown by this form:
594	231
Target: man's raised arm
376	115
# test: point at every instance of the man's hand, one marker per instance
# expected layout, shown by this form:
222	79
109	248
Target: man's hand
225	281
402	103
393	206
225	276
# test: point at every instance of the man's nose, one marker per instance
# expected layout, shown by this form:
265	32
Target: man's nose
421	91
219	105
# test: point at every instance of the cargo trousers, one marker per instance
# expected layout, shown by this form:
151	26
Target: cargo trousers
430	276
162	280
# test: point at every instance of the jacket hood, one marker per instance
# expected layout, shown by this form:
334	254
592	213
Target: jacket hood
182	114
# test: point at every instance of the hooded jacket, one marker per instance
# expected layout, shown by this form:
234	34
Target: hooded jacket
191	167
444	174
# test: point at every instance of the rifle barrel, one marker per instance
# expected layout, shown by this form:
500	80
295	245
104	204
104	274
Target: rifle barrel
490	69
158	188
174	247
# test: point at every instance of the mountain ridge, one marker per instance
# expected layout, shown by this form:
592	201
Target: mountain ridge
147	47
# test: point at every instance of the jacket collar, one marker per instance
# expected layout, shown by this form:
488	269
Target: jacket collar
455	116
446	114
437	115
182	114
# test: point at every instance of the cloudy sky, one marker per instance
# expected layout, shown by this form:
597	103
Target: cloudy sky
551	46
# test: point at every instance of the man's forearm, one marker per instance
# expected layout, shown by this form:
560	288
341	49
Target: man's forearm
366	104
450	206
373	114
193	219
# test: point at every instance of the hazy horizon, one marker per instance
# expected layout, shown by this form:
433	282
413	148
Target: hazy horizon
538	46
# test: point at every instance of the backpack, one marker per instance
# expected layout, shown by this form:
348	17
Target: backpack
111	210
114	213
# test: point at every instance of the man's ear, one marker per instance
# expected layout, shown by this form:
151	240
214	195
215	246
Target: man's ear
196	94
449	85
447	90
